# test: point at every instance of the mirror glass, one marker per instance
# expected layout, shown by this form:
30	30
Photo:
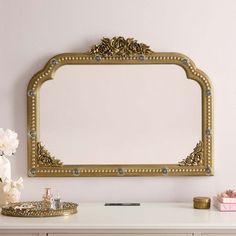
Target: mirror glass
120	114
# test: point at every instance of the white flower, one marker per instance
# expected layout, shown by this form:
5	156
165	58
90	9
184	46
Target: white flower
8	142
11	190
8	185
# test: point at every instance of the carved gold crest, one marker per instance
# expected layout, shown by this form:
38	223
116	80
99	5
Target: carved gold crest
119	46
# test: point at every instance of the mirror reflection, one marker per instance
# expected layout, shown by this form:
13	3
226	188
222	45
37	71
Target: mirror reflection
120	114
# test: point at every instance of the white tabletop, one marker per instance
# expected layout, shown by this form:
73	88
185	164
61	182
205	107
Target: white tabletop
146	216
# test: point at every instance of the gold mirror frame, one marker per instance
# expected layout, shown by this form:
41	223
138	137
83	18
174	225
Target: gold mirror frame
118	50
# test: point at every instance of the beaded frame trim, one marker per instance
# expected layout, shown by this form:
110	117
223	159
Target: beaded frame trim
119	52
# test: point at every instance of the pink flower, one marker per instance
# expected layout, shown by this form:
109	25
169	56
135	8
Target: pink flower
229	193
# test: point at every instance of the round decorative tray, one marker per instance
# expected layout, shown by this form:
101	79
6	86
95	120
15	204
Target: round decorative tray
36	209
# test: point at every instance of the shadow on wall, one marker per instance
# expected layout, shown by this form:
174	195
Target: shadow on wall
19	165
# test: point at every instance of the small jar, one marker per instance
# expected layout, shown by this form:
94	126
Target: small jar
201	202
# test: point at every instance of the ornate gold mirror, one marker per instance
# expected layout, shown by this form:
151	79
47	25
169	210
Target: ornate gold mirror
119	110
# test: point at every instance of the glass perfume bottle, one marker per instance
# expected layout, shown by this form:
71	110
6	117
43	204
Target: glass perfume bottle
47	199
57	201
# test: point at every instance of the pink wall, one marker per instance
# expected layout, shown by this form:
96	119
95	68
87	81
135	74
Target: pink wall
33	31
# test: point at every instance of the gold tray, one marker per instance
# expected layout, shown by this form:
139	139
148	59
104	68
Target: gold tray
35	209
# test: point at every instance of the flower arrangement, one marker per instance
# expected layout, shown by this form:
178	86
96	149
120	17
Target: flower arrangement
8	146
11	191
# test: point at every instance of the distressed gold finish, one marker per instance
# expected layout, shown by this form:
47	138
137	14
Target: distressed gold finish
45	158
195	158
36	209
119	46
111	52
201	202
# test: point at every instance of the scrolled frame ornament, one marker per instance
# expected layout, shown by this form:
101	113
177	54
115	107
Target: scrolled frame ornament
119	50
119	46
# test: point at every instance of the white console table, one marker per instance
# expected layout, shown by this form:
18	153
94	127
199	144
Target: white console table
149	219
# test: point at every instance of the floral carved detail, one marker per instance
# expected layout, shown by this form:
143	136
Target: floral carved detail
119	46
45	158
195	158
